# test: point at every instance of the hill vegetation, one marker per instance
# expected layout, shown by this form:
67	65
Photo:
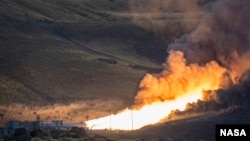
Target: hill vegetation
59	52
43	54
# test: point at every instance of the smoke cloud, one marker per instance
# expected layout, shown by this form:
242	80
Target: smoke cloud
179	79
222	36
166	18
213	59
217	100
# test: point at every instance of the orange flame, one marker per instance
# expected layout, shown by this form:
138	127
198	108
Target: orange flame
130	119
176	86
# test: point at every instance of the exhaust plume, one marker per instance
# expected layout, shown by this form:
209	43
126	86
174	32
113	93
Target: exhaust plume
179	79
210	59
205	70
217	100
223	36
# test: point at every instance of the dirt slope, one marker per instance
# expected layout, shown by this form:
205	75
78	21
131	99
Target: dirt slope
89	54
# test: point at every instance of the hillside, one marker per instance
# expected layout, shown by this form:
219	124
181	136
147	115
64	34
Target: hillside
50	51
76	60
89	54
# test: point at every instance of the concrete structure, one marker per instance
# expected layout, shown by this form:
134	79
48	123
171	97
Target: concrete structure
11	126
